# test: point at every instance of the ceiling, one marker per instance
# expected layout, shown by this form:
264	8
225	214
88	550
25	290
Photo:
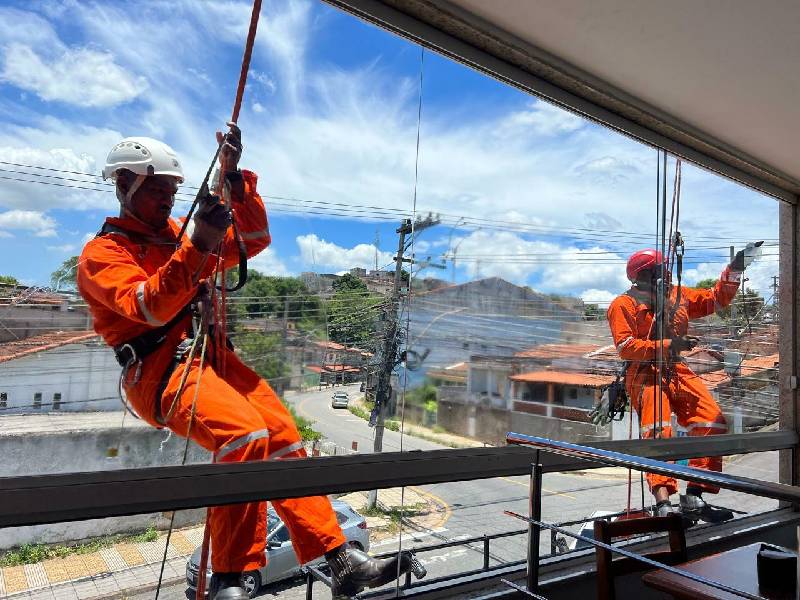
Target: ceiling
726	70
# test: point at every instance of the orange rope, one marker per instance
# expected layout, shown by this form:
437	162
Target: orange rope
248	52
221	323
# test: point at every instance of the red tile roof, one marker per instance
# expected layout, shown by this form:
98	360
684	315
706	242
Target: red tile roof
47	341
550	351
564	378
329	345
714	379
751	366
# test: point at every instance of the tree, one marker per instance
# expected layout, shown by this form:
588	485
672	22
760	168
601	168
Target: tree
593	312
8	280
65	277
352	313
263	354
349	283
268	296
748	302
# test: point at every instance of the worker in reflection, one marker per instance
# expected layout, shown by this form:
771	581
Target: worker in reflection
657	381
140	280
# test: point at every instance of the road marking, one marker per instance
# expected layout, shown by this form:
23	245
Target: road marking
448	512
526	485
413	536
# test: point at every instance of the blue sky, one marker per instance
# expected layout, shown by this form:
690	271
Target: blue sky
527	191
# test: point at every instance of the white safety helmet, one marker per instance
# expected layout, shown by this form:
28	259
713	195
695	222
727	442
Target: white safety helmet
143	156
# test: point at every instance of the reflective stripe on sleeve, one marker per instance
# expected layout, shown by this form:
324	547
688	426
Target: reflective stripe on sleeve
624	343
237	443
151	320
254	235
707	425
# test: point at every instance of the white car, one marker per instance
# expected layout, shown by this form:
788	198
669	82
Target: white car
339	400
281	559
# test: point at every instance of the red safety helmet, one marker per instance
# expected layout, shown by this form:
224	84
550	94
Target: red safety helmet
642	261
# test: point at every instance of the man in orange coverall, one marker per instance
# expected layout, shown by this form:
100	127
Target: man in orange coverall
631	317
139	279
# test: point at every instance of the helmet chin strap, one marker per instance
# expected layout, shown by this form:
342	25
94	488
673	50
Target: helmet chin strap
126	201
137	183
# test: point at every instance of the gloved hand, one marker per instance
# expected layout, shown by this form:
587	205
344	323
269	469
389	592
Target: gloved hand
745	257
599	414
231	146
211	221
682	343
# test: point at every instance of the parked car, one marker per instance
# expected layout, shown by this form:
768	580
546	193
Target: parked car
339	400
281	559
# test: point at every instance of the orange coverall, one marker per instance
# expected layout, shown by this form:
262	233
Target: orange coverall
630	317
136	281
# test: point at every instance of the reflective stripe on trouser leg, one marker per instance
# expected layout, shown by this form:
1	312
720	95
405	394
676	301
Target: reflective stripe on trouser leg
237	443
312	522
286	450
700	414
650	424
225	422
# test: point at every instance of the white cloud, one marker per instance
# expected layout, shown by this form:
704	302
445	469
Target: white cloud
268	263
319	254
258	107
33	221
63	248
552	267
600	297
58	146
76	75
545	119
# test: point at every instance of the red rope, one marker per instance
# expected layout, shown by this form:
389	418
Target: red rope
248	52
220	321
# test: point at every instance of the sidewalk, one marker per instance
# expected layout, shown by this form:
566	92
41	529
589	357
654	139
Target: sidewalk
127	568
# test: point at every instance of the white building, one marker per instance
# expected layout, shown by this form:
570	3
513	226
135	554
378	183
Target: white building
58	371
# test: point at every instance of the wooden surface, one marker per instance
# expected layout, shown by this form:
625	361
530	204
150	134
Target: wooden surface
735	568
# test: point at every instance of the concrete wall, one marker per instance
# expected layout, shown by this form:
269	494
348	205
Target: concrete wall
75	451
482	423
76	371
557	429
20	321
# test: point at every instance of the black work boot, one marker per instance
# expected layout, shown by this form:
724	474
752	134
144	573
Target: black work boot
665	508
352	570
226	586
693	506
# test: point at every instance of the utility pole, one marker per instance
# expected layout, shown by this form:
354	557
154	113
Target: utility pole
377	244
733	303
390	343
774	290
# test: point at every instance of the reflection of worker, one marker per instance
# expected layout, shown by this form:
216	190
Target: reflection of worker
631	317
139	281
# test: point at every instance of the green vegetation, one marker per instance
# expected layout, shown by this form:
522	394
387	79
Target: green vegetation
396	514
304	426
8	280
65	277
592	312
263	353
352	313
275	297
748	302
358	411
34	553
